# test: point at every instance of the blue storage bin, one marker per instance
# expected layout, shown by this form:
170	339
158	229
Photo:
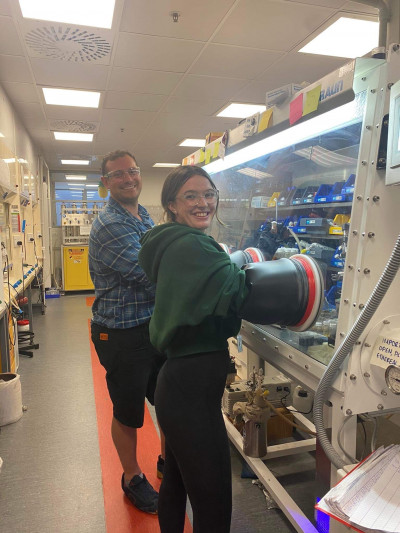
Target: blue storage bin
297	197
336	194
348	187
323	193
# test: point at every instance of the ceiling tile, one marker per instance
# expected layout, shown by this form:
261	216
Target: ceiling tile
359	8
272	25
297	67
134	101
197	20
188	105
9	40
252	93
155	53
321	3
14	68
31	110
143	81
132	122
32	123
233	61
21	92
72	75
5	8
219	88
58	112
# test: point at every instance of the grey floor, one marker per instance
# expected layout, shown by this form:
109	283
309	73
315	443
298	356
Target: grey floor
50	481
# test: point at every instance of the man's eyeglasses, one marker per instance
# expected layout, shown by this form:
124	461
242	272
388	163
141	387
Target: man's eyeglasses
119	174
193	198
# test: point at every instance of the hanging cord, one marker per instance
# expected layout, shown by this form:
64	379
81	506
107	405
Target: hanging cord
344	349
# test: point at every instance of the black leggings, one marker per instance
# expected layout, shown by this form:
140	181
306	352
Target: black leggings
197	460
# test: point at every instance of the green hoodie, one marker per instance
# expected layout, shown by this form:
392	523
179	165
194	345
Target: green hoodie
199	290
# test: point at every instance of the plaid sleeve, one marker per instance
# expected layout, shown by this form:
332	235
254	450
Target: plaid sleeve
118	250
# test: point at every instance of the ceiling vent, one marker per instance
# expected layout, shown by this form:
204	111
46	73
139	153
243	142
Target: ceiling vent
67	44
76	126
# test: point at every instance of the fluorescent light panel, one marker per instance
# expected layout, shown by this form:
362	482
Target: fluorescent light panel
347	37
241	110
91	185
75	177
166	165
67	136
345	115
71	97
96	13
193	142
75	161
258	174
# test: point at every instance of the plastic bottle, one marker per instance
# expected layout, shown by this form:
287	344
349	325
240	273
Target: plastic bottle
302	400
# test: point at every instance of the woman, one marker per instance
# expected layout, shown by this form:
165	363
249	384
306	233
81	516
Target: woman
199	292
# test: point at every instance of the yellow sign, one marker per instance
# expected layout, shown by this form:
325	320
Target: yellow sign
265	119
311	100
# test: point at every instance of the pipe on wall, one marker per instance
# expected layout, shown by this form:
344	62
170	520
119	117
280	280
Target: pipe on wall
384	17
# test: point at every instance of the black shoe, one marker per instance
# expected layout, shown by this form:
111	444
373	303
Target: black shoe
141	494
160	467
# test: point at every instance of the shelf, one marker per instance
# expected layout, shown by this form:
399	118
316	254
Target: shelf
324	237
301	207
7	193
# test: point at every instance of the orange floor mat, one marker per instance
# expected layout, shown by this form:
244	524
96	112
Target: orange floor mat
121	516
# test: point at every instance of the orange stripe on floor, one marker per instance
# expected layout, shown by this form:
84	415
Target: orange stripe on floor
89	301
121	515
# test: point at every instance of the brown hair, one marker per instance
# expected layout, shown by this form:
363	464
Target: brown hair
173	183
112	156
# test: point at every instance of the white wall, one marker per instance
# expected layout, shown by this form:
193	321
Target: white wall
16	137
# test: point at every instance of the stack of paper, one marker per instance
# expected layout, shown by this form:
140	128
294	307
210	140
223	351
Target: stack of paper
369	497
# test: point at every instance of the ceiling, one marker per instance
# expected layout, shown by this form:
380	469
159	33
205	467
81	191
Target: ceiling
160	81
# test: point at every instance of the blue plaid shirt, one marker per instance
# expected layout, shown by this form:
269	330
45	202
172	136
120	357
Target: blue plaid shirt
124	297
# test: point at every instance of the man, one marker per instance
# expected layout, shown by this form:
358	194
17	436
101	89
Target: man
123	305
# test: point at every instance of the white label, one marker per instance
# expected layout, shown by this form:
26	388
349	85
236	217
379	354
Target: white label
386	352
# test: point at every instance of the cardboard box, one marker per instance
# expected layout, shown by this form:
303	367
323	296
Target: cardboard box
277	428
213	135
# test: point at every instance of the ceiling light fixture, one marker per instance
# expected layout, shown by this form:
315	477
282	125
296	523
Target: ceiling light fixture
193	142
75	177
75	161
66	136
166	165
258	174
240	110
71	97
346	37
95	13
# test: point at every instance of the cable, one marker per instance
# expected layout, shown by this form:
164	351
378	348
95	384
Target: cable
298	426
365	438
344	422
344	349
374	433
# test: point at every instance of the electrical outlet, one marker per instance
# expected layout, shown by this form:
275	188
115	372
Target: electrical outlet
29	237
17	240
